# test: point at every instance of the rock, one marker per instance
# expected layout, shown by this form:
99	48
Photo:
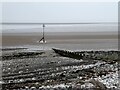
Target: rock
98	84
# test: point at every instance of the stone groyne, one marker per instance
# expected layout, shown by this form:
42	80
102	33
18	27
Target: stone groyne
108	56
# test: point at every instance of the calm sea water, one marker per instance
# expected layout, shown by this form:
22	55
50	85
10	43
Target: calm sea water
13	28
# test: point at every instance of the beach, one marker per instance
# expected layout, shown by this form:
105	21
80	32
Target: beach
38	69
30	65
59	45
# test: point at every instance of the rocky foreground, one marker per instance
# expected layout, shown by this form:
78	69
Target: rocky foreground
47	70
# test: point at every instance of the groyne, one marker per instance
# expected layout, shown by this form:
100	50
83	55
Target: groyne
109	56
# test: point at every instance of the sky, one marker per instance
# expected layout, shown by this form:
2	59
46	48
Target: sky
59	12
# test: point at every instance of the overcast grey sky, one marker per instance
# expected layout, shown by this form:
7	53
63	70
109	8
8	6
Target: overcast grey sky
62	12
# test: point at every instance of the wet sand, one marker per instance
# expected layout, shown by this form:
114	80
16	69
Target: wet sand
59	38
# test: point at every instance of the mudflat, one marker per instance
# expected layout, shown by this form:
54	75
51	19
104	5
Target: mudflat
13	39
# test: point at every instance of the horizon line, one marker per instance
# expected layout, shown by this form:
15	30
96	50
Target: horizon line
57	23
